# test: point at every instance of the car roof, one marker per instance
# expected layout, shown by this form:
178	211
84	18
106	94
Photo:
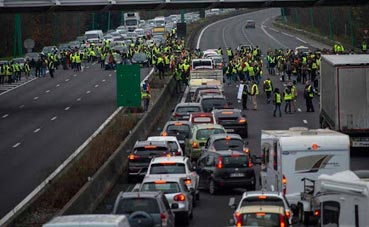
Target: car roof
223	135
161	177
217	111
151	194
174	122
257	193
206	126
162	138
154	143
262	208
188	104
179	159
210	96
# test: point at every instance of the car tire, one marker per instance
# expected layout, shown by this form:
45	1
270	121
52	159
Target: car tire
303	216
212	188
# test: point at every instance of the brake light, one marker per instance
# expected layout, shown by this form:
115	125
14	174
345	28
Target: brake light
168	155
220	163
178	124
164	220
284	184
150	147
235	155
178	153
164	134
238	218
227	138
160	182
132	157
317	213
250	162
246	150
188	181
195	145
227	113
260	214
262	197
167	163
242	120
288	214
202	115
282	223
179	197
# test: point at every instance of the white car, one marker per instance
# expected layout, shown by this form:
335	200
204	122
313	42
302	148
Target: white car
179	167
172	141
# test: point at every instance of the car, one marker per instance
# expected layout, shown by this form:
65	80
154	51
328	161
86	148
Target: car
218	61
225	169
263	198
49	50
245	47
117	61
140	32
140	58
143	208
179	167
200	134
182	111
250	24
260	215
32	55
208	92
172	141
227	141
202	87
176	192
179	129
202	118
64	47
19	61
74	44
233	120
142	153
88	220
302	50
210	102
131	35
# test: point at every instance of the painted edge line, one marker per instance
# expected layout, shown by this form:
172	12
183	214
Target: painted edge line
18	86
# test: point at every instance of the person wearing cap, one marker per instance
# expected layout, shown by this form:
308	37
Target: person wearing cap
277	102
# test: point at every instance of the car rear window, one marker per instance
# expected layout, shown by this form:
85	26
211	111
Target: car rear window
173	145
168	168
178	129
150	150
202	120
260	219
213	103
231	144
130	205
166	188
203	134
236	161
268	200
188	109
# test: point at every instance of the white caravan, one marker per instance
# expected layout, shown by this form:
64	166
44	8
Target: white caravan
288	156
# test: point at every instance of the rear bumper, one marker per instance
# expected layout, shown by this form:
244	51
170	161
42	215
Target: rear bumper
137	171
234	182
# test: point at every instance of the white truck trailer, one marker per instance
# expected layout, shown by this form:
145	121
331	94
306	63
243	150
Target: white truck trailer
131	21
344	96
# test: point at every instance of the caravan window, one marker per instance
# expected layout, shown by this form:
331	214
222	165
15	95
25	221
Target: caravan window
275	156
331	213
265	154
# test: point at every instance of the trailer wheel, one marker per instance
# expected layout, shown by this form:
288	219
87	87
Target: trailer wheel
303	216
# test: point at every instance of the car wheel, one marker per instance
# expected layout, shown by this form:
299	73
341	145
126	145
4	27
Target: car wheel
212	189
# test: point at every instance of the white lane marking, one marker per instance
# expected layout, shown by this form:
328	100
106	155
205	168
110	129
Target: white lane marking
21	106
274	29
5	115
301	40
185	94
305	121
270	36
35	98
115	71
66	80
79	99
58	85
94	63
20	85
246	36
87	67
54	118
103	80
67	108
96	85
223	37
109	75
74	75
47	91
88	92
287	34
36	130
16	145
298	109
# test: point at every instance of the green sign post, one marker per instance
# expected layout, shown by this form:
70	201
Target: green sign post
128	86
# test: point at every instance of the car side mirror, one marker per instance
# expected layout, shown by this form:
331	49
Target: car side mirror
174	206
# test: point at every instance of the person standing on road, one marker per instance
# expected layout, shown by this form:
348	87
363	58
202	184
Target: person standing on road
178	77
268	88
2	74
254	94
309	95
230	54
146	96
287	95
277	102
294	96
27	69
245	94
51	67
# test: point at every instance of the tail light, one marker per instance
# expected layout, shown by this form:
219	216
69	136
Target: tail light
242	121
175	115
195	145
164	220
317	213
178	153
179	198
238	218
282	222
220	163
288	214
250	162
284	184
133	157
188	181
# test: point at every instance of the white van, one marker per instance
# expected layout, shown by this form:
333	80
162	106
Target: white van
94	36
98	220
288	156
159	21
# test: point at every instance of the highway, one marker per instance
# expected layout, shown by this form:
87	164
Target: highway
45	121
213	210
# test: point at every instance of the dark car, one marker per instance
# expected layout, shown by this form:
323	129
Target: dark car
145	209
250	24
225	169
179	129
143	151
183	110
140	58
211	102
232	120
229	141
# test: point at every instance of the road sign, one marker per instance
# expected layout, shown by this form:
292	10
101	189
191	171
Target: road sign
128	86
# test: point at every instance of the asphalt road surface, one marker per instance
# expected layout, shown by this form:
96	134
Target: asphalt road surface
213	211
45	121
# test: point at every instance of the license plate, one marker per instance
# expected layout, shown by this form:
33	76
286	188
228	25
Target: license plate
186	117
237	175
230	130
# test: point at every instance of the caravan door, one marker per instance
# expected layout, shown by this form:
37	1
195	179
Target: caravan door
269	169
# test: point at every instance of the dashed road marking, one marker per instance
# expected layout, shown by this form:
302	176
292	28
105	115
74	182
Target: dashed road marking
298	109
305	121
103	80
58	85
16	145
79	99
88	92
109	75
21	106
54	118
74	75
301	40
5	115
96	85
94	63
35	98
47	91
287	34
36	130
66	80
274	29
67	108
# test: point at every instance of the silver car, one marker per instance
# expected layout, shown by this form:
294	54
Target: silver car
175	191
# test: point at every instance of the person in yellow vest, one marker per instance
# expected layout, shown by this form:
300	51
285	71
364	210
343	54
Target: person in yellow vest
160	65
8	73
78	61
294	96
102	59
145	96
277	102
287	95
268	88
254	94
27	69
309	95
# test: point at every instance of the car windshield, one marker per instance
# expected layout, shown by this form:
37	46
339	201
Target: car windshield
131	22
188	109
168	168
228	144
165	187
130	205
152	150
203	134
210	103
173	145
266	200
174	130
260	219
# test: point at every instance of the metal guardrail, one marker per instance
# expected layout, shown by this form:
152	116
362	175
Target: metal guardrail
88	5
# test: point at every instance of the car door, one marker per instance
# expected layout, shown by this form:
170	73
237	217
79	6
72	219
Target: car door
171	218
209	168
192	174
